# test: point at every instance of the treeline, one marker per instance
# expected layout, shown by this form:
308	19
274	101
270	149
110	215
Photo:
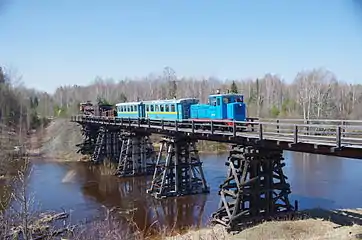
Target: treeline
19	105
315	93
18	117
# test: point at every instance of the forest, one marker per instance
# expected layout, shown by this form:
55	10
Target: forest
312	94
315	93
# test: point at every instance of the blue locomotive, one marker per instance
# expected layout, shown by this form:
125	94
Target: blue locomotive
219	107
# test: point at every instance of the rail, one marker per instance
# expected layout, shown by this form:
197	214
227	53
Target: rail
312	121
333	135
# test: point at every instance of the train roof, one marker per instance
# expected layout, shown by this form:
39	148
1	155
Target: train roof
181	100
128	103
226	95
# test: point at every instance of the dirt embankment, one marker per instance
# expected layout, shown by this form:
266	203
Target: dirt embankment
57	141
322	224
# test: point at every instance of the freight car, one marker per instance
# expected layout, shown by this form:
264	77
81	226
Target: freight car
88	108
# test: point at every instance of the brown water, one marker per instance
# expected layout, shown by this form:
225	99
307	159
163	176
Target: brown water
316	181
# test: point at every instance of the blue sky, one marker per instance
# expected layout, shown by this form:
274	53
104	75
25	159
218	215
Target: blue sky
52	43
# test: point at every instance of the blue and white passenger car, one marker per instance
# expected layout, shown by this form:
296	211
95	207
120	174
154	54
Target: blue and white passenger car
175	109
130	110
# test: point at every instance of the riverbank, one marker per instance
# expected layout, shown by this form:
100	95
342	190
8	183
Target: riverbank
321	224
58	141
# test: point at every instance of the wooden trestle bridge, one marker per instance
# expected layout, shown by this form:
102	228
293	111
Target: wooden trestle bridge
254	188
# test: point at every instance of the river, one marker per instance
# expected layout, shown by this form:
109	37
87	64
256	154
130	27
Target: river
316	181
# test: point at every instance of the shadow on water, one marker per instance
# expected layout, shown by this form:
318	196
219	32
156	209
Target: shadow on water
316	181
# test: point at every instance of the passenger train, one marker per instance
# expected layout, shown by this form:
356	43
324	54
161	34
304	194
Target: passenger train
220	107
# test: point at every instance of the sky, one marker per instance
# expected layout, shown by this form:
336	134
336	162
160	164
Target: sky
51	43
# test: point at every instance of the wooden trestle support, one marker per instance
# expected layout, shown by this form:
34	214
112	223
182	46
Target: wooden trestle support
180	171
131	151
88	144
107	145
136	155
255	188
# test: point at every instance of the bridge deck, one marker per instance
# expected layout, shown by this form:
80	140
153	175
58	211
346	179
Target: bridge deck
329	137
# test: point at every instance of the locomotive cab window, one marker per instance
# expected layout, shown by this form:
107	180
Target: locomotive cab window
239	99
218	101
226	100
213	101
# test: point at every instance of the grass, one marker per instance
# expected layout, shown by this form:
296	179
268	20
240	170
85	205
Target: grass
320	224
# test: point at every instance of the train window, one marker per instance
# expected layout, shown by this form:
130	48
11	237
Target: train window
167	108
212	101
161	108
218	101
147	108
226	100
157	108
239	99
152	108
173	108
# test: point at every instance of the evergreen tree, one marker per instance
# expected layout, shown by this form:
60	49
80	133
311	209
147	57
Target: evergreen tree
122	98
234	88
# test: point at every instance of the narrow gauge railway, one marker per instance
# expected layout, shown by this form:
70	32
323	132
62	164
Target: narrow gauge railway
222	109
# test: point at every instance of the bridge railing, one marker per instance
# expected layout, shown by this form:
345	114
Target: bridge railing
327	132
349	128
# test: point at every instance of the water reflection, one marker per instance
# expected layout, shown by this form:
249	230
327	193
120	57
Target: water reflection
129	196
321	181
